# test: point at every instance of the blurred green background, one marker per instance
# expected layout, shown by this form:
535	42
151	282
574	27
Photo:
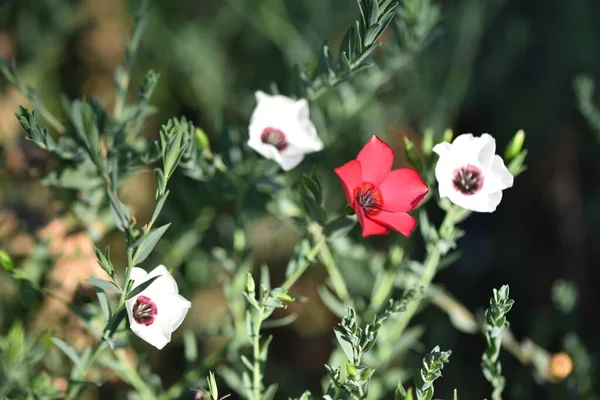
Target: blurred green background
492	66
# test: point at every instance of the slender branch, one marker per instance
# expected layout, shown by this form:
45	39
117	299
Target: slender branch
307	262
527	352
74	389
337	280
432	261
430	267
134	378
257	370
495	325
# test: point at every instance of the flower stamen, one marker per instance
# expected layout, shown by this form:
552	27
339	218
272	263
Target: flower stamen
369	198
468	180
274	137
144	310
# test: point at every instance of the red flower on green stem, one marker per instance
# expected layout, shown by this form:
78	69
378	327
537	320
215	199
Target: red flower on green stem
380	197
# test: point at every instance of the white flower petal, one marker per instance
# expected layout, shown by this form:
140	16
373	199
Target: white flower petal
171	308
290	162
166	283
179	307
444	173
289	116
494	200
477	156
478	202
266	150
463	143
138	274
445	188
154	334
487	150
503	175
442	148
260	95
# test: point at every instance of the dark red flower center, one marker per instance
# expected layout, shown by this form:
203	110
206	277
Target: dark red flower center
274	137
468	180
368	197
144	310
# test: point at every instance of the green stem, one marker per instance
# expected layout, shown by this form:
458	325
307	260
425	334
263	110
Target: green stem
195	374
134	378
430	267
289	282
337	280
384	289
256	370
75	387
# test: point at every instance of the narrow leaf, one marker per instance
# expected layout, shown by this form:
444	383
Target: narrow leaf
269	394
345	344
114	322
104	304
159	205
148	242
68	351
104	285
141	287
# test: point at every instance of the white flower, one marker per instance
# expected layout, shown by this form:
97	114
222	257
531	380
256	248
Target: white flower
470	173
159	309
281	130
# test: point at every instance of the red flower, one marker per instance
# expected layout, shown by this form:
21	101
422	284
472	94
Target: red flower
380	197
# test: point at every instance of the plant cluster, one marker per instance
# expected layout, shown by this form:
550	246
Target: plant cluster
97	150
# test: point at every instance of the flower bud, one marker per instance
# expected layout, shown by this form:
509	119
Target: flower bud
201	139
427	143
515	146
285	297
411	154
250	285
351	369
448	135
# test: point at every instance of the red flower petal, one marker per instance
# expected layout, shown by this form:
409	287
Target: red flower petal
402	190
376	159
400	222
351	176
369	227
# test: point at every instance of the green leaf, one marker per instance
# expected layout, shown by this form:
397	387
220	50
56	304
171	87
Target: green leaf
265	278
141	287
277	323
104	261
104	285
120	212
269	394
339	227
159	206
332	302
372	34
231	379
374	12
104	304
6	262
212	386
68	351
190	346
113	324
147	243
264	351
345	343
